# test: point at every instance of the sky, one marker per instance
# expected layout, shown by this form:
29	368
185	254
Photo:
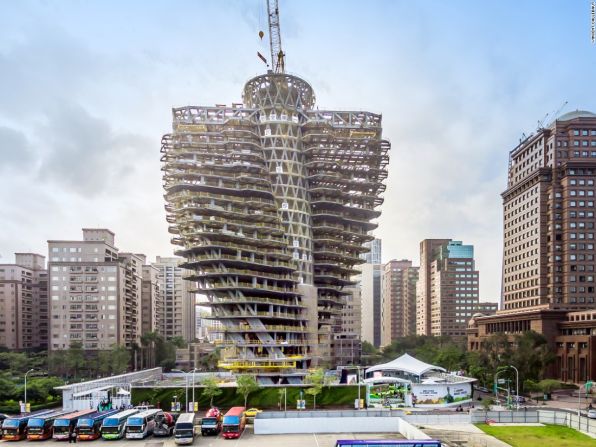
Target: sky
86	91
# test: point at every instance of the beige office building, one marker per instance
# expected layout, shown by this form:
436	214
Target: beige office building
24	303
179	307
424	285
95	292
399	300
371	301
347	344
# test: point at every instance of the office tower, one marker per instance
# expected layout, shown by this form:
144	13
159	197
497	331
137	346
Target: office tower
24	303
370	280
152	301
373	255
179	307
449	287
424	286
271	201
486	308
548	218
95	292
399	300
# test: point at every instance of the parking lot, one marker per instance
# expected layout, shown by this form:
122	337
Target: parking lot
248	439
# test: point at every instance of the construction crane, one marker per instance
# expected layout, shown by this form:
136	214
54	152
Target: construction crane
277	54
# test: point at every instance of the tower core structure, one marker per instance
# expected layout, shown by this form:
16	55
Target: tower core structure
270	202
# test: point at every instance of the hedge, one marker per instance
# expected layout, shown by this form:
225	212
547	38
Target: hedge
14	409
264	398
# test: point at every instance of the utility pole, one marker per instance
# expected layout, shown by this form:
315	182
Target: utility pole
31	370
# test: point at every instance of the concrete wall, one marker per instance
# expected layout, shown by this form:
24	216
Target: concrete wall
335	422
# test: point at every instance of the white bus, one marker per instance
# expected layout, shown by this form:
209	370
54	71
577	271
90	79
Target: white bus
140	425
184	431
113	427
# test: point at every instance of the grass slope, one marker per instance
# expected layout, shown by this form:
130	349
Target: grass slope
548	436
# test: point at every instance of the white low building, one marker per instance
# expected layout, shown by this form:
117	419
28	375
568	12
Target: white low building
409	382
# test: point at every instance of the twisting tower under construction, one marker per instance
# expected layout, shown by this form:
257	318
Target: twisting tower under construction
270	202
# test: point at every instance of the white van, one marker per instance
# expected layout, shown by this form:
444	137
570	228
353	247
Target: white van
184	431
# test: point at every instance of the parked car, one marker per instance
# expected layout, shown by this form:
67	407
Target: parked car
482	389
252	412
519	399
592	414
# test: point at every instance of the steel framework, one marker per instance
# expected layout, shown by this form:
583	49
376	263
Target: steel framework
266	200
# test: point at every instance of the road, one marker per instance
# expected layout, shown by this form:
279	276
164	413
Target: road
248	439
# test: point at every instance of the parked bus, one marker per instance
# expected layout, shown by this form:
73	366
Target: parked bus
89	426
211	422
15	428
234	422
41	427
164	424
2	417
184	432
141	424
387	443
65	425
113	426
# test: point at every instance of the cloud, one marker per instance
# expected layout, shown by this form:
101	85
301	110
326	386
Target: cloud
15	150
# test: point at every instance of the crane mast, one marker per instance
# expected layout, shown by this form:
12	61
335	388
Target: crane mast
277	55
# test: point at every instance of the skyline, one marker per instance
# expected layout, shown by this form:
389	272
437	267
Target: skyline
456	92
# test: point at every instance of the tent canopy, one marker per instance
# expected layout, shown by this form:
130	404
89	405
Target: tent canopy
88	392
408	364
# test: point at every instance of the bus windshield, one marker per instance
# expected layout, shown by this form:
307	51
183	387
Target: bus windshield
111	422
85	423
231	420
113	429
36	422
135	421
184	430
10	423
61	423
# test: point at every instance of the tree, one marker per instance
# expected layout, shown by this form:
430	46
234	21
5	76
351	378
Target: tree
119	359
104	363
246	385
212	388
75	357
148	341
316	380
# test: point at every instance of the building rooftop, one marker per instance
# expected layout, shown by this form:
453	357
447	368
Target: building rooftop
576	114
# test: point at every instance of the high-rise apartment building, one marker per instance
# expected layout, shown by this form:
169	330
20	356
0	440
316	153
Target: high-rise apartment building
179	307
370	280
271	201
428	247
548	245
451	281
95	292
152	301
548	218
399	300
24	303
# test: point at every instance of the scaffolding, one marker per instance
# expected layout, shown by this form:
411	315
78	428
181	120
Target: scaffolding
267	199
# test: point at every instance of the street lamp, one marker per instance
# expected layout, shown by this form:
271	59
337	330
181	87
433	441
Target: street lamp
358	386
516	386
31	370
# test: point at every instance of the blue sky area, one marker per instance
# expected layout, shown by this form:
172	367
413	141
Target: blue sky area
86	91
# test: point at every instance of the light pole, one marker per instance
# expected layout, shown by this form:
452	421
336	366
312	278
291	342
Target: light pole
31	370
516	386
358	372
496	386
186	392
193	389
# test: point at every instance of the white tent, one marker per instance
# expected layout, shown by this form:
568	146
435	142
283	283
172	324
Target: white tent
406	363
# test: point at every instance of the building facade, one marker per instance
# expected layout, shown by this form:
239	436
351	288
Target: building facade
449	293
270	202
428	247
152	301
178	306
398	296
371	280
95	292
347	341
373	255
548	252
24	303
